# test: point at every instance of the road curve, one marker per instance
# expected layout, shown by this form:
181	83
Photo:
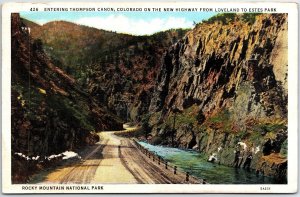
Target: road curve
112	160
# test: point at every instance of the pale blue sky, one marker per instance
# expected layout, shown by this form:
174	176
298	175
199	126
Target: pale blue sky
138	23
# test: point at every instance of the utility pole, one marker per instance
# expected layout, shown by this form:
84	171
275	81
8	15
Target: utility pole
29	88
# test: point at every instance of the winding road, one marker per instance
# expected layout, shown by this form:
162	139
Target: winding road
112	160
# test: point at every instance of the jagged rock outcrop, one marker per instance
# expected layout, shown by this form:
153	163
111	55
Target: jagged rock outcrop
50	112
226	86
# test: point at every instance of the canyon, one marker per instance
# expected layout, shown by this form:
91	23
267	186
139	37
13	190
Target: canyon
220	88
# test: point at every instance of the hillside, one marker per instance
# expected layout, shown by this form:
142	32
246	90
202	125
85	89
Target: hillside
50	112
74	46
118	70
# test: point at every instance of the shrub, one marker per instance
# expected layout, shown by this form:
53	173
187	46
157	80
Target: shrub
249	17
227	18
224	18
156	140
284	148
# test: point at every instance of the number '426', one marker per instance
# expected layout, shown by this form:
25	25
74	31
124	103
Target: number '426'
34	9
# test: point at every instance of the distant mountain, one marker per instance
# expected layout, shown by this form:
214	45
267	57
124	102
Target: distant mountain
117	69
74	45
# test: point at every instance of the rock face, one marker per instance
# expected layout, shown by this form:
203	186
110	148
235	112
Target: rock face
223	89
50	113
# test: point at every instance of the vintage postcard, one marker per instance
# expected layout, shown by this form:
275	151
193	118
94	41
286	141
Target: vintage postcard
149	98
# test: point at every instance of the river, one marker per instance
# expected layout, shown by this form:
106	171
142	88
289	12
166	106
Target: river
196	164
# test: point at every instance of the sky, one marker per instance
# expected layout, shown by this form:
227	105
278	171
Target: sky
136	23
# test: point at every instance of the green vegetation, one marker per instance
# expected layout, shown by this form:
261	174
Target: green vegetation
284	148
242	134
157	140
224	18
223	116
250	17
28	99
145	124
135	132
71	112
268	129
154	118
255	135
222	120
31	101
168	37
188	116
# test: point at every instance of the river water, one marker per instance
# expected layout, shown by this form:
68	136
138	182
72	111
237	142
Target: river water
196	164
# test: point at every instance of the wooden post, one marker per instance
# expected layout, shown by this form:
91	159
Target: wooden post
187	176
175	169
158	160
166	164
148	154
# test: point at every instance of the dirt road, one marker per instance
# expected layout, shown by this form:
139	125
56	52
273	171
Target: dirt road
113	160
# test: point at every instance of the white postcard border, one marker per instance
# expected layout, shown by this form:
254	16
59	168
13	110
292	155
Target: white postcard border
291	187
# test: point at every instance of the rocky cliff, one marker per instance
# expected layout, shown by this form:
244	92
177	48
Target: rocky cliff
50	112
223	89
